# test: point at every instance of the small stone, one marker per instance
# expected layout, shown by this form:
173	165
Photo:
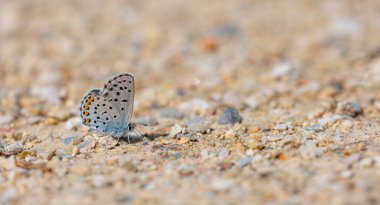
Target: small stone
351	109
283	126
230	134
186	170
52	121
30	159
254	130
225	165
243	161
347	174
11	149
177	129
147	121
329	120
223	154
316	128
184	140
255	144
73	123
273	138
165	142
281	69
171	113
190	136
230	116
198	124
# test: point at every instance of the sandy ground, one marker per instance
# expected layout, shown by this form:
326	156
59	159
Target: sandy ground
247	102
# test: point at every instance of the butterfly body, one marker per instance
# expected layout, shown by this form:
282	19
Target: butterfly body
109	110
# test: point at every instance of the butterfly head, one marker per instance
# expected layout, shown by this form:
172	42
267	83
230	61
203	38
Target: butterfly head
131	127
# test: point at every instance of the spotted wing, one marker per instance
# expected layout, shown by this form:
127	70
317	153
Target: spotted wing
100	114
119	91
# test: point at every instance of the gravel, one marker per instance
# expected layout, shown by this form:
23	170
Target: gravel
229	116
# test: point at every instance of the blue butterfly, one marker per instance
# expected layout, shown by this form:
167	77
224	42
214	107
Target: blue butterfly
109	111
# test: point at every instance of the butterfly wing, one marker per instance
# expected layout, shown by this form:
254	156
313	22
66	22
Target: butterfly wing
100	114
120	91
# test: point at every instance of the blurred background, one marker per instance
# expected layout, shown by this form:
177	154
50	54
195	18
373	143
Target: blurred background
274	61
68	45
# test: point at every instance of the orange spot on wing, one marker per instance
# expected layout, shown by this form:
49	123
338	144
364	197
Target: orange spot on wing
87	121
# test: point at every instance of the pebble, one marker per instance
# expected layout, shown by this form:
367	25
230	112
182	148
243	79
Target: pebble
243	161
73	123
184	140
281	69
283	126
11	149
273	138
147	121
186	170
346	174
229	116
189	136
230	134
255	144
316	127
225	165
173	113
177	129
351	109
198	124
223	154
330	119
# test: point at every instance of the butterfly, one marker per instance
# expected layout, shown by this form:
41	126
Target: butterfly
109	110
